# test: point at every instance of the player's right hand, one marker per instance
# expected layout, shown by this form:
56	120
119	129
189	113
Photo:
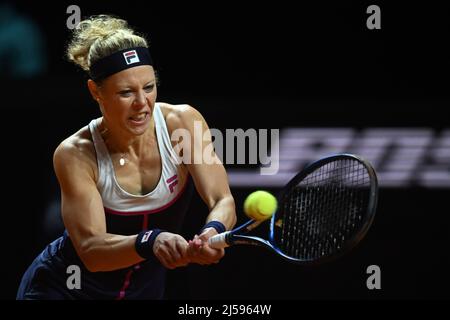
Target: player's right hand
171	250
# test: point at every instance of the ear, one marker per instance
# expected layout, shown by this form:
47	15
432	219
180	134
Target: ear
93	89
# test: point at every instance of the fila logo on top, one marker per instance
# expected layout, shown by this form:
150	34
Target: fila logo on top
131	57
172	182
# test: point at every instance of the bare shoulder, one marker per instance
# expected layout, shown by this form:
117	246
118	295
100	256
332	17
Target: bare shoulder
77	151
179	115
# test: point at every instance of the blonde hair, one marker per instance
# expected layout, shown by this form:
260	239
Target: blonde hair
100	36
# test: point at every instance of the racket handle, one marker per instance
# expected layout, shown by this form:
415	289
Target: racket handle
219	241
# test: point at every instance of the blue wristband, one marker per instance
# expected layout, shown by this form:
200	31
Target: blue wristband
144	243
216	225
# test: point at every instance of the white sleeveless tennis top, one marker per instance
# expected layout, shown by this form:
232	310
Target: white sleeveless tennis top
118	201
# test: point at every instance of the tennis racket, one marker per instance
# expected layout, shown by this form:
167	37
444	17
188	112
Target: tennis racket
323	212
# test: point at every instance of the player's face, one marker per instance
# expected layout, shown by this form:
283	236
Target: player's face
128	98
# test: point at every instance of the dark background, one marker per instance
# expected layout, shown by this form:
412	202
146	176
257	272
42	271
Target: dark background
259	66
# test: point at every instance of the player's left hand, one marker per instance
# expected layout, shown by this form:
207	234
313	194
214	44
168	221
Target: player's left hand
200	252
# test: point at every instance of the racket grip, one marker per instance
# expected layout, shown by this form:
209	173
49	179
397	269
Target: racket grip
219	241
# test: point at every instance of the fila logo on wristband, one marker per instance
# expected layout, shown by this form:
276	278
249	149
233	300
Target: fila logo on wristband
146	236
131	57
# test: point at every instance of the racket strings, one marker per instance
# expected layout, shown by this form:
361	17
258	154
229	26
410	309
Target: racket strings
324	210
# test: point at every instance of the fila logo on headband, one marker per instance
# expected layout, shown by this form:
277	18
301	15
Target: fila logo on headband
131	57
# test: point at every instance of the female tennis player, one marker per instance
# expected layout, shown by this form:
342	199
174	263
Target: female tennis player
124	189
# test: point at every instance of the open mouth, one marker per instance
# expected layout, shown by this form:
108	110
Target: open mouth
139	118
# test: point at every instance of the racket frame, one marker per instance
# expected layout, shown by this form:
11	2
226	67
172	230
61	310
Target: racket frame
370	215
237	236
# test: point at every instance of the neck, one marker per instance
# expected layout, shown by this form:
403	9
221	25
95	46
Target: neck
123	143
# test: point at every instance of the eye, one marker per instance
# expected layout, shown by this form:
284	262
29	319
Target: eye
125	93
149	88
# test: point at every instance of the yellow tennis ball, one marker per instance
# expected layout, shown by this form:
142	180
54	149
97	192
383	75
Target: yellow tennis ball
260	205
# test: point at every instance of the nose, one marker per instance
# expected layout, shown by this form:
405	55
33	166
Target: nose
141	100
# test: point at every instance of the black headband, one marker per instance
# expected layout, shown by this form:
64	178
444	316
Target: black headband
119	61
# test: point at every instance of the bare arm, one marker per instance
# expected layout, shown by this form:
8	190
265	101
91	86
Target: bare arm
209	175
83	213
210	180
